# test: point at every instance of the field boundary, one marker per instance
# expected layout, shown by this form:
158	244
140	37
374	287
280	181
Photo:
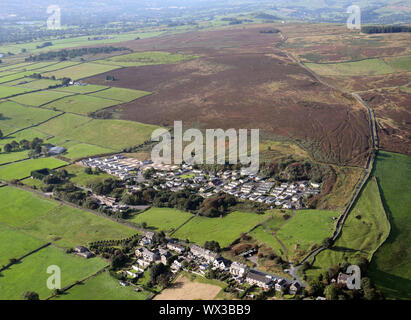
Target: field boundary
24	256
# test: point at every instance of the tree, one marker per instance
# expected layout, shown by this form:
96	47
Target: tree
327	242
30	295
7	148
212	246
1	134
331	292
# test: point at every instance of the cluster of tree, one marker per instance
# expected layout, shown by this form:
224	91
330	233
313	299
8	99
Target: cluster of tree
270	31
73	53
44	45
385	29
34	146
217	206
52	177
160	275
107	187
325	284
212	246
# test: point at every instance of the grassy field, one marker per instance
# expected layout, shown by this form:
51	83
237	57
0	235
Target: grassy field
11	91
103	287
120	94
356	68
224	230
39	98
146	59
80	71
20	170
28	134
68	227
16	116
79	177
38	84
81	104
76	150
13	156
15	244
365	229
62	126
31	275
18	207
81	89
165	219
391	267
399	63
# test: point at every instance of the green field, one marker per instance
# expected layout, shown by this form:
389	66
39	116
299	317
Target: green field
39	98
81	89
27	134
391	267
356	68
16	116
80	104
165	219
146	59
20	170
18	207
103	287
39	84
120	94
31	275
11	91
15	244
400	63
79	177
224	230
76	150
68	227
80	71
62	126
13	156
365	229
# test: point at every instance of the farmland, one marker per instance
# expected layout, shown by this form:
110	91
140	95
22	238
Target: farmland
80	71
11	91
120	94
20	170
79	177
223	230
162	219
102	287
391	266
38	99
31	275
12	156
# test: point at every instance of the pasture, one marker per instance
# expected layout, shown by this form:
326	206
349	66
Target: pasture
20	170
162	219
120	94
402	63
77	150
13	156
27	134
37	84
81	89
30	274
18	207
80	71
102	287
79	177
11	91
38	98
390	268
223	230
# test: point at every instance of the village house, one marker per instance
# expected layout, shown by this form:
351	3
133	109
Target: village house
238	269
281	285
259	279
295	287
176	247
208	255
83	252
342	279
222	264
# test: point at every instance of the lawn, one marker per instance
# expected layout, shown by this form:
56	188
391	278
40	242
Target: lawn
79	177
165	219
11	91
31	274
391	267
19	207
356	68
120	94
23	169
81	71
68	227
103	287
146	59
39	98
81	104
365	229
15	244
224	230
16	116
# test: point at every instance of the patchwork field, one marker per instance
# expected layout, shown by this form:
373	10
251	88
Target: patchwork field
80	71
27	134
77	150
223	230
39	98
120	94
83	89
102	287
37	84
13	156
31	275
20	170
162	219
391	266
11	91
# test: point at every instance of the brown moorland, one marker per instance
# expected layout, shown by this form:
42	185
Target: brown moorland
242	79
